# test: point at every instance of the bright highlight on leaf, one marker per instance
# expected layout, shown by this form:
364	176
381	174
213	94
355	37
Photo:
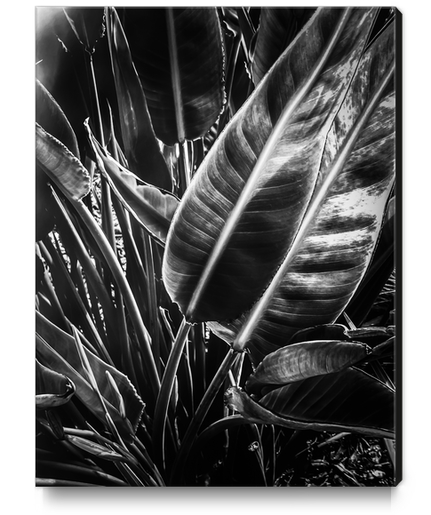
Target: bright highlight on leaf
283	162
307	359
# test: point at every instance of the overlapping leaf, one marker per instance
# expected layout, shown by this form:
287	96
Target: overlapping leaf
337	250
178	54
50	116
151	206
277	29
140	144
87	25
288	177
57	349
350	400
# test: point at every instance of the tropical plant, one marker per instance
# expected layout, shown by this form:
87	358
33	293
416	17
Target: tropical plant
215	246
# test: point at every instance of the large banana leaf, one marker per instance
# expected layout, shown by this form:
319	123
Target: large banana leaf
179	56
140	144
278	138
335	254
350	400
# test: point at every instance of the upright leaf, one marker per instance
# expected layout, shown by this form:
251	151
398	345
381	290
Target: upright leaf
277	29
152	207
179	57
51	117
140	144
335	254
87	24
278	136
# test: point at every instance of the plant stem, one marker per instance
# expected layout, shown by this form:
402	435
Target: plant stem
129	299
200	414
166	387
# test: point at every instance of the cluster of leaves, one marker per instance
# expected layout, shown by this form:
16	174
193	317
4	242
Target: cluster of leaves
214	245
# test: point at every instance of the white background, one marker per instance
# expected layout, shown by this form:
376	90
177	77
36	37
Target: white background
17	307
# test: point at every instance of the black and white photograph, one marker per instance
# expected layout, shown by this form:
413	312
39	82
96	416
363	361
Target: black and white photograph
218	247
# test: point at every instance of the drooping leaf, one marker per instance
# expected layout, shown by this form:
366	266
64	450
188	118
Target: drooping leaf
306	359
140	144
62	167
151	206
179	56
278	135
57	349
349	400
52	389
333	257
277	29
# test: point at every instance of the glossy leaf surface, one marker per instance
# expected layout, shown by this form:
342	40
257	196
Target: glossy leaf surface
178	54
290	167
337	250
307	359
347	401
141	147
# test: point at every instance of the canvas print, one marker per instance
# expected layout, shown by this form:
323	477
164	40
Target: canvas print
217	246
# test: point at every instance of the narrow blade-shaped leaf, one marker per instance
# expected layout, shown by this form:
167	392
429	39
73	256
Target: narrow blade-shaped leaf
278	136
50	116
87	25
179	57
347	401
151	206
140	144
95	449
